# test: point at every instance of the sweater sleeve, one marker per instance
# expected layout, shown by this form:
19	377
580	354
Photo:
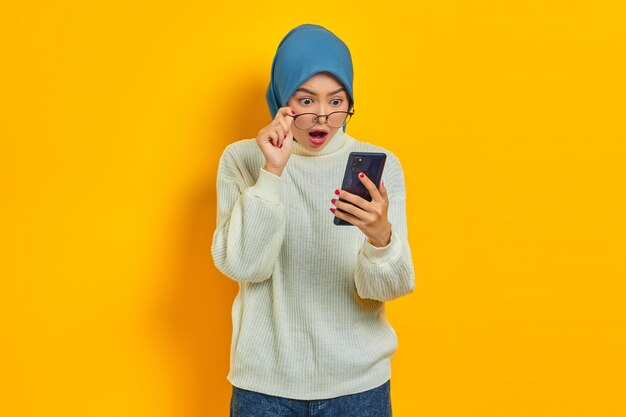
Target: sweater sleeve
386	273
250	222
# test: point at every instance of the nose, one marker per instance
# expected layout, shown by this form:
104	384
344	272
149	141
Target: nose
321	119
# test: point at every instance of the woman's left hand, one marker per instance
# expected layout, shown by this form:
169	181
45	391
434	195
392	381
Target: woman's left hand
369	216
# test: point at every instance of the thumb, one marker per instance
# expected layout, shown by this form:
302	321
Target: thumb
288	142
289	117
287	113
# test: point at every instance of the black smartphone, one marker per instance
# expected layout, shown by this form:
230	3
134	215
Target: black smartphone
369	163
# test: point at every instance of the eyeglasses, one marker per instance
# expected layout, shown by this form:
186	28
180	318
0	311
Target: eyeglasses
304	121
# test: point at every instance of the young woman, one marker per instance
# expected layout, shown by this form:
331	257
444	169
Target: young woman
310	336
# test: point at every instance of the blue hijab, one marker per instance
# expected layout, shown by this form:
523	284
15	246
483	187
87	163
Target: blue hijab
305	51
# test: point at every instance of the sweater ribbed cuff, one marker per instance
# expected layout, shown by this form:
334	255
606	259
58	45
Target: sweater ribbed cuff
268	186
380	255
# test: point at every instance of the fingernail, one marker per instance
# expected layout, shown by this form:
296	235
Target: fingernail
293	112
337	192
332	200
280	146
361	175
333	210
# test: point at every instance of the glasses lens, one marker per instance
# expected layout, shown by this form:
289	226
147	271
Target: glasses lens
305	121
338	118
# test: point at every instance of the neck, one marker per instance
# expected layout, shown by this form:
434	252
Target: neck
335	144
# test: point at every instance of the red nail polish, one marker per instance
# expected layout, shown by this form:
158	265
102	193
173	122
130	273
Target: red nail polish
293	112
361	175
332	200
333	210
280	146
337	192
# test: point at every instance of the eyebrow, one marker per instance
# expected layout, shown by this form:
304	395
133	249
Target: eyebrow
306	90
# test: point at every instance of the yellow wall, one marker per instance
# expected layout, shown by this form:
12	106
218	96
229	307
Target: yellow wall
507	115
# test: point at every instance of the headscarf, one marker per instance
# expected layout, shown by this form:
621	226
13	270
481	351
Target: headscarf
305	51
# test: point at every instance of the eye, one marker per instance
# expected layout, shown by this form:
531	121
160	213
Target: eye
306	101
336	101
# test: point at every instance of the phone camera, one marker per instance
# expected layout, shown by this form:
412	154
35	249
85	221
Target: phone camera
357	163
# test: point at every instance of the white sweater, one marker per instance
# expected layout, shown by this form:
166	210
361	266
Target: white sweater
309	319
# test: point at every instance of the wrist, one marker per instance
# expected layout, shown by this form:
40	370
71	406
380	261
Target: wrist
383	241
274	170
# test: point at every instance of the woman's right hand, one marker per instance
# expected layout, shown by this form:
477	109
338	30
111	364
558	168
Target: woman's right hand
275	141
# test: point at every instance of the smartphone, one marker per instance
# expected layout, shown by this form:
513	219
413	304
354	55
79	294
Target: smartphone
369	163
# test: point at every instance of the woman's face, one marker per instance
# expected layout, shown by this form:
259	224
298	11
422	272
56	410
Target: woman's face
321	94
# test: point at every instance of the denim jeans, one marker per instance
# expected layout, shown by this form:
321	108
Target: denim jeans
372	403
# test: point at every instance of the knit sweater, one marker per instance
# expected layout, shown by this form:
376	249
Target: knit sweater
309	318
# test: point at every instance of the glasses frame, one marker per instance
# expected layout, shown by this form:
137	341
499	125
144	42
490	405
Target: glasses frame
326	116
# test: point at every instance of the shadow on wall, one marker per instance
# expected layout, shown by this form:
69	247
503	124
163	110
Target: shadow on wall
194	318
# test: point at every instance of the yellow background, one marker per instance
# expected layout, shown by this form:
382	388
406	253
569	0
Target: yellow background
508	117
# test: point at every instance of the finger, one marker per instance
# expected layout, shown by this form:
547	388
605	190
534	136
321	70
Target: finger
285	111
345	216
282	118
290	119
383	191
282	134
371	187
279	131
284	124
277	135
282	140
354	199
285	130
287	144
286	114
273	136
262	135
350	208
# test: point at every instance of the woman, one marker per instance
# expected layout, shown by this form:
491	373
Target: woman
309	326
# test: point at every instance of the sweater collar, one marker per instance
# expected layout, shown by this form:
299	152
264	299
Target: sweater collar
336	143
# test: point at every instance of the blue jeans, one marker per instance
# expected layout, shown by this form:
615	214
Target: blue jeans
372	403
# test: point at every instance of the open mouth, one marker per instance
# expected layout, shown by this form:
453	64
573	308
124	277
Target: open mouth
317	137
